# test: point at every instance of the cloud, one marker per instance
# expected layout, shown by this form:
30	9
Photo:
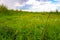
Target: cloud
12	4
42	0
24	7
32	5
42	6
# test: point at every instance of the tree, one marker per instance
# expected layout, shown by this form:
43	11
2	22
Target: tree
56	11
3	9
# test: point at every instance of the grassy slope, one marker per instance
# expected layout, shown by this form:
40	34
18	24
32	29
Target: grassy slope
30	26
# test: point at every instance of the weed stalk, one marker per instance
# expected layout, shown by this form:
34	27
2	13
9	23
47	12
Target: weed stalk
45	28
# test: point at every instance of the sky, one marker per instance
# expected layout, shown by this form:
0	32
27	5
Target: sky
32	5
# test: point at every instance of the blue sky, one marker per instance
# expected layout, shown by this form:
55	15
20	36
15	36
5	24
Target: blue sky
32	5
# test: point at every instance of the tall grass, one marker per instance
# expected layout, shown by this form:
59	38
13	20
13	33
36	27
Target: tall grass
19	25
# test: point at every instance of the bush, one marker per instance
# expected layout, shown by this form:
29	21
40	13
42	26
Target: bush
3	8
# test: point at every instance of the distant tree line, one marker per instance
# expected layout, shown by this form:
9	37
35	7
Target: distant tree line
4	9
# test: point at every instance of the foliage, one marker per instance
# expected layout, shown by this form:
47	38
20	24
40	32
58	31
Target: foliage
3	9
7	33
21	25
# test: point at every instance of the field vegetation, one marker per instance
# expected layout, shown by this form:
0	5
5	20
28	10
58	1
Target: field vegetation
23	25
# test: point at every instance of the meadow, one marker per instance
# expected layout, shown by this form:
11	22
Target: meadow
22	25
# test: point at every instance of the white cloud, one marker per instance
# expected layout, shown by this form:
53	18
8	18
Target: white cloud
36	5
18	4
42	6
0	2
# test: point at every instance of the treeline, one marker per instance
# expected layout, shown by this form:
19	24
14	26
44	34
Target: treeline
4	10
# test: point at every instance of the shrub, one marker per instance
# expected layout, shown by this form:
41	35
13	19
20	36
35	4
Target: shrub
3	8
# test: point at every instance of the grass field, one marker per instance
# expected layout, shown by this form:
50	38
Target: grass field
18	25
30	26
